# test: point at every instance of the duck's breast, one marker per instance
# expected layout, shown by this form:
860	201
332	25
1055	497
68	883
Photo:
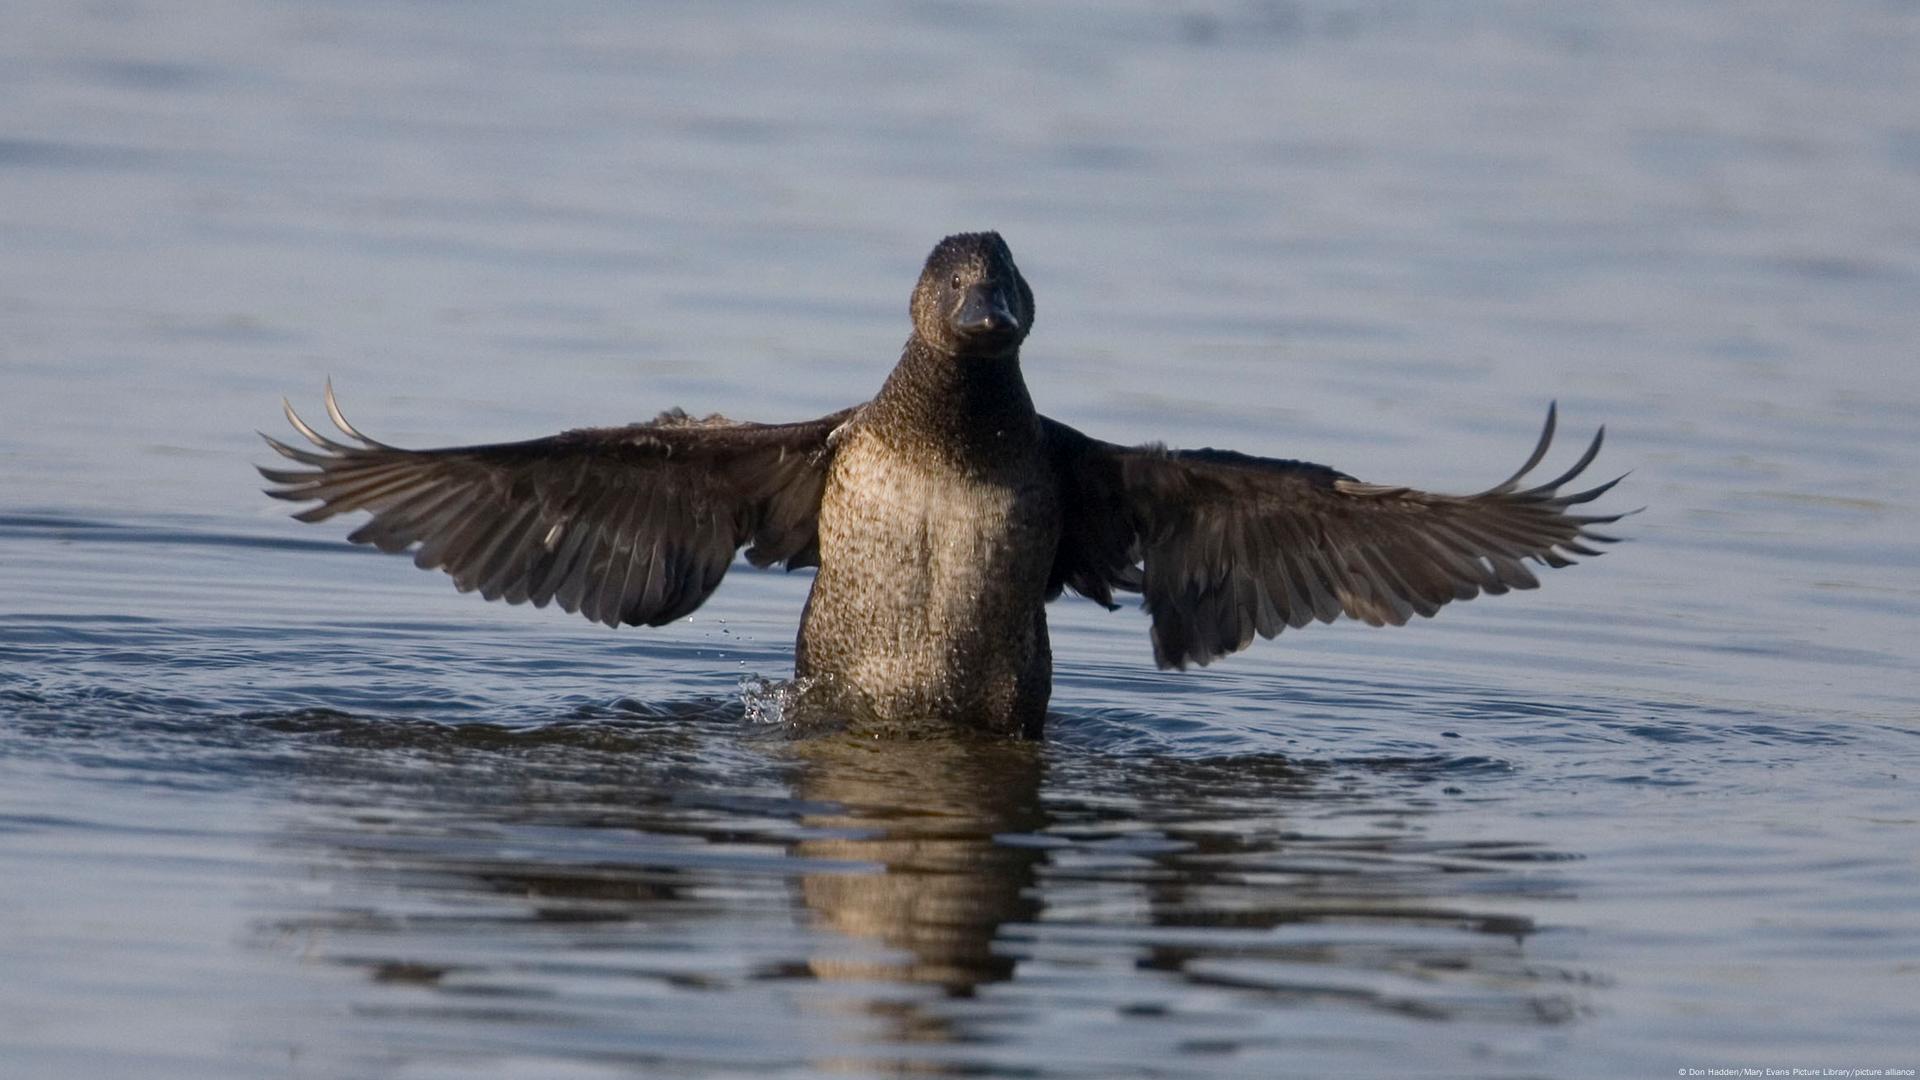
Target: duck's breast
932	575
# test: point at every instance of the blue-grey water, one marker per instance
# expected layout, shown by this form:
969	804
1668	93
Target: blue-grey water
272	806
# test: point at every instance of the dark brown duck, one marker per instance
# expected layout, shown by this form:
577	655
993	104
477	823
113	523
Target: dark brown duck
942	515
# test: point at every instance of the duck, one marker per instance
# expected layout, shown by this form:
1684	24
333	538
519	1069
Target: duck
942	516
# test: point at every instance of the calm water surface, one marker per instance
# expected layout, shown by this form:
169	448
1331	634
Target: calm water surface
273	806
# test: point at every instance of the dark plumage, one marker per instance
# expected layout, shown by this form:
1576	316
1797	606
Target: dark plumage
943	514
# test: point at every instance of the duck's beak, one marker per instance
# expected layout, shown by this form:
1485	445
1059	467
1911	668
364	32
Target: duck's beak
984	310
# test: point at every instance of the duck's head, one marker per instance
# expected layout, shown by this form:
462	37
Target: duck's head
971	299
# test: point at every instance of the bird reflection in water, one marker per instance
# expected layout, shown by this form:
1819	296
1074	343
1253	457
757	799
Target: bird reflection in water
930	813
674	889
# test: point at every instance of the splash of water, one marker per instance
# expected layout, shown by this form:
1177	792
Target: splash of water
770	702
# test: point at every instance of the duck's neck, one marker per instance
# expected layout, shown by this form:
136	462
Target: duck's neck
975	408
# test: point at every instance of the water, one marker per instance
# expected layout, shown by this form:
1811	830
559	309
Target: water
272	806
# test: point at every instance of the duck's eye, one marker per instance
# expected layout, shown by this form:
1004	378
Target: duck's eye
955	282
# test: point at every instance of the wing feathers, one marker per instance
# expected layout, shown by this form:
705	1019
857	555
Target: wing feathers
1534	459
1225	546
635	524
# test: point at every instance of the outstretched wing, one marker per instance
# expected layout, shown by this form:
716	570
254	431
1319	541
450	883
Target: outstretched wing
635	524
1224	545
